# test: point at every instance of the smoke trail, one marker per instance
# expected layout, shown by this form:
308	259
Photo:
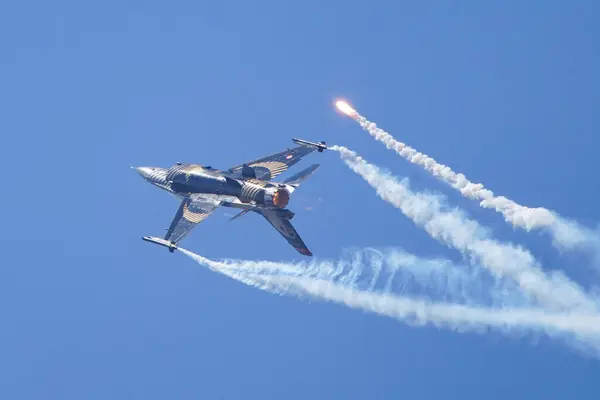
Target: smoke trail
322	280
566	234
454	229
393	269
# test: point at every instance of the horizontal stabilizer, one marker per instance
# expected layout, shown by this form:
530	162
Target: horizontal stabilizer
280	220
241	213
298	178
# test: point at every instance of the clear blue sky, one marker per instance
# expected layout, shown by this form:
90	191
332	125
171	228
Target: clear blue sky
506	92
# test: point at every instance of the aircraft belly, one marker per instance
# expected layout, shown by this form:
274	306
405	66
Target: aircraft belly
207	186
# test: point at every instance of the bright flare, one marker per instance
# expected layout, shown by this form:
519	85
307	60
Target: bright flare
345	108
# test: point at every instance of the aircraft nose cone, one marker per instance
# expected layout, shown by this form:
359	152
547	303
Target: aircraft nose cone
144	172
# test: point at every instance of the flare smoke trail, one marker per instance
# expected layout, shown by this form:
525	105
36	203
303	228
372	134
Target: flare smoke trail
453	228
338	284
566	234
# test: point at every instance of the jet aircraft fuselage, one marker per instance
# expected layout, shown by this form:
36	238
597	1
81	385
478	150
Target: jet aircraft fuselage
185	179
248	186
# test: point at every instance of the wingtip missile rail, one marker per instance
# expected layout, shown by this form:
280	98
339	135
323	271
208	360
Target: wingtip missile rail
319	146
161	242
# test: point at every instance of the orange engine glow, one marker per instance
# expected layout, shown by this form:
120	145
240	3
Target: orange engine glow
281	198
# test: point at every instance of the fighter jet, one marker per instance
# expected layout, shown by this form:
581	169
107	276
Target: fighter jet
248	186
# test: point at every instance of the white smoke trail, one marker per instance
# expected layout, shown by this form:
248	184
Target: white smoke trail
453	228
392	268
322	280
566	234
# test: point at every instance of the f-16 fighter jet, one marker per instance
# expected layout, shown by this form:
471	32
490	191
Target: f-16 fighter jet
249	187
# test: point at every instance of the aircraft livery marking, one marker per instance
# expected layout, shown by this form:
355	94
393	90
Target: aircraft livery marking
276	167
196	215
287	231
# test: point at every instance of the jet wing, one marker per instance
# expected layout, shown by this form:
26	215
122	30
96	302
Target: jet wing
285	228
191	212
267	168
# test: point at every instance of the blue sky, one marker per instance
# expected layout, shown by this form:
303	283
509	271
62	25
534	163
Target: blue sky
505	92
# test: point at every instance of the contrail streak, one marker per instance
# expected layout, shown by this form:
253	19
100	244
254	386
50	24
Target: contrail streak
566	234
454	229
325	280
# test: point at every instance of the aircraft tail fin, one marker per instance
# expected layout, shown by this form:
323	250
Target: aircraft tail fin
298	178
